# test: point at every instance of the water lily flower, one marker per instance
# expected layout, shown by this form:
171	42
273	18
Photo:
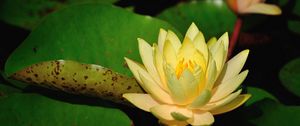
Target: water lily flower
189	82
253	6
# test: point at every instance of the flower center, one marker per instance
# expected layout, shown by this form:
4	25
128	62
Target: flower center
184	64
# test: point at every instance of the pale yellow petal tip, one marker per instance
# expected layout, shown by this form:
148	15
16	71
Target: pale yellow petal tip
127	59
162	30
226	34
246	51
193	25
273	10
140	40
125	95
245	73
247	96
277	11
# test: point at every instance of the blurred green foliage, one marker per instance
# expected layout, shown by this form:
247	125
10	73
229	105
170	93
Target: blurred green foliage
212	17
28	13
290	76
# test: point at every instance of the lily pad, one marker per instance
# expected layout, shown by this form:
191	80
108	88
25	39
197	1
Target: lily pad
28	13
6	89
78	78
294	26
271	113
290	76
296	9
213	17
88	33
258	94
36	110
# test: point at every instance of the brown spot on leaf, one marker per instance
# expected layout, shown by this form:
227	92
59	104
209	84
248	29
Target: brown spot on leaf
125	64
129	87
66	87
34	49
83	88
114	78
28	79
86	77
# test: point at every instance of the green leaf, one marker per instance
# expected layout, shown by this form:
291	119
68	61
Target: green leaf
28	13
212	17
78	78
88	33
36	110
296	9
294	26
6	89
270	113
290	76
258	94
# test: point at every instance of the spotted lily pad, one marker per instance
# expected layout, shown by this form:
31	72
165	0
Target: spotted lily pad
77	78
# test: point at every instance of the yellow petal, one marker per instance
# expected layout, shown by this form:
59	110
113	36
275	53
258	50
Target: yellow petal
211	73
218	56
142	101
164	112
219	51
135	67
161	39
172	37
262	8
201	118
201	100
146	52
241	99
233	67
176	88
158	61
192	31
170	54
213	105
229	86
154	89
200	44
187	50
212	41
190	84
199	59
